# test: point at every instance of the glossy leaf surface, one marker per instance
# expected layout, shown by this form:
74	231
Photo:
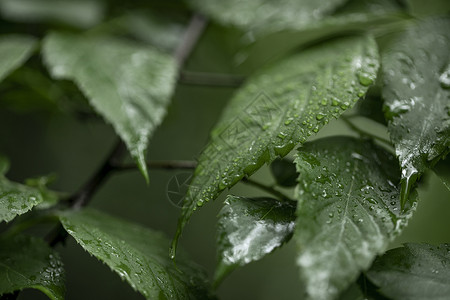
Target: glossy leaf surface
278	108
128	84
77	13
249	229
15	198
266	15
137	254
27	262
348	211
413	272
14	51
417	91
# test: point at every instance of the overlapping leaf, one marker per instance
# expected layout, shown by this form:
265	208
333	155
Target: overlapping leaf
417	91
27	262
15	198
78	13
249	229
266	15
128	84
14	51
348	211
279	108
284	172
137	254
413	272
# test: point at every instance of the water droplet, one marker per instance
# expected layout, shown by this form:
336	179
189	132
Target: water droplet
444	79
320	116
365	79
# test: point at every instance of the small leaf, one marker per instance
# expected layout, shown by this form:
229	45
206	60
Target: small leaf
413	272
50	198
78	13
416	92
348	211
27	262
277	109
137	254
284	172
442	169
129	85
249	229
15	198
266	15
14	51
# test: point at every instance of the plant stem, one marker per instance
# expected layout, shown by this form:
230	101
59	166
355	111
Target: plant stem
161	164
210	79
363	132
83	196
267	189
190	38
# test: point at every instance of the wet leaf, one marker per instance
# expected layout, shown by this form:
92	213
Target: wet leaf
278	108
249	229
14	51
417	90
50	198
348	211
15	198
27	262
78	13
137	254
266	15
442	169
413	272
128	84
284	172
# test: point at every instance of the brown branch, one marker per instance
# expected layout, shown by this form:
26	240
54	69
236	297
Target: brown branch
190	38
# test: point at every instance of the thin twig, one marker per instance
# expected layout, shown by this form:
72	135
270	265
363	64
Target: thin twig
268	189
160	164
190	38
363	132
84	195
210	79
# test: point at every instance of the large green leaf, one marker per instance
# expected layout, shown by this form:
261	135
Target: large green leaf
14	51
27	262
78	13
442	169
413	272
353	16
128	84
267	15
348	211
249	229
416	90
278	108
137	254
15	198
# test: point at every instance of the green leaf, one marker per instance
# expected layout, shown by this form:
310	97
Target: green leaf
15	198
137	254
128	84
50	198
78	13
416	91
249	229
266	15
278	108
348	211
430	7
27	262
14	51
442	169
284	172
353	16
413	272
